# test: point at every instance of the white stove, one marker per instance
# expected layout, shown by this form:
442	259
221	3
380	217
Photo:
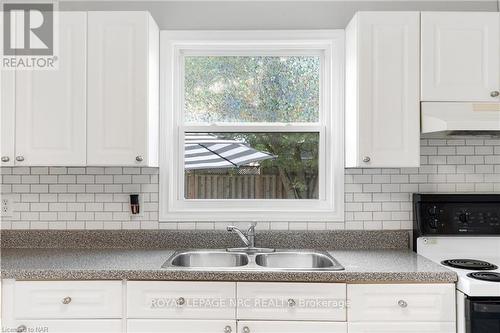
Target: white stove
483	249
462	233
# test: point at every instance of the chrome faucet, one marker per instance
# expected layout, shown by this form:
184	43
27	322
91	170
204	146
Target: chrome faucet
248	237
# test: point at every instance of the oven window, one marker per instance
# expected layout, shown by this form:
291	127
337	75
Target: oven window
483	315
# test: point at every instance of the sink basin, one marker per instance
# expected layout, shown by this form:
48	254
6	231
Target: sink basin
281	260
207	259
297	260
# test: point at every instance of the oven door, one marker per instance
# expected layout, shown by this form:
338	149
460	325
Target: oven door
482	315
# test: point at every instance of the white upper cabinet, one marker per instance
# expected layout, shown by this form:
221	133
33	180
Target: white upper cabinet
382	90
7	112
461	56
51	104
123	89
8	116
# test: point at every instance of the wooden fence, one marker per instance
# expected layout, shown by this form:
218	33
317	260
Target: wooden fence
234	187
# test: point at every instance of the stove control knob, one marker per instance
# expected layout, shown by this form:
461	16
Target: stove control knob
433	223
433	210
464	217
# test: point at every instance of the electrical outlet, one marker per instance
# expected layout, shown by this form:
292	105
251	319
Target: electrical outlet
6	205
141	207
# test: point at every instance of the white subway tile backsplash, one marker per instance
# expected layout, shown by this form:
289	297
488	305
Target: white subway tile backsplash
98	197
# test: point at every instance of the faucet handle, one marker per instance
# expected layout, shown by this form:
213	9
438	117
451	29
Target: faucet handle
251	228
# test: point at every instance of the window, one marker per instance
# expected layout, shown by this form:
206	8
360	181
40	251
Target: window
252	127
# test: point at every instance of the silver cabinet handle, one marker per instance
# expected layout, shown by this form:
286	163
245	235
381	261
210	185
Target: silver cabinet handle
19	158
366	159
180	301
21	328
402	303
139	158
66	300
291	302
228	329
5	158
495	93
246	329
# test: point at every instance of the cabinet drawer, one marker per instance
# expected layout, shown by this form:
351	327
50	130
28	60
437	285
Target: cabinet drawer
68	326
291	327
181	300
67	299
410	327
177	326
403	302
292	301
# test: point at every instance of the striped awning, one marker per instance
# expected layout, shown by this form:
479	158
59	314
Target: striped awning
206	151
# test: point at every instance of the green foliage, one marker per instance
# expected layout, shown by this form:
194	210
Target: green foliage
252	89
262	89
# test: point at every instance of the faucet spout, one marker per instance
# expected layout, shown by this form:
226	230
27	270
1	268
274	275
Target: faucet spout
243	237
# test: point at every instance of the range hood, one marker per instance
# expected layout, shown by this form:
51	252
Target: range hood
450	119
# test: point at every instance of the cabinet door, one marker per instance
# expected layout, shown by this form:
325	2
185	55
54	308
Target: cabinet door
181	300
7	112
401	302
118	88
291	327
291	301
382	100
51	104
460	56
389	327
7	109
67	299
180	326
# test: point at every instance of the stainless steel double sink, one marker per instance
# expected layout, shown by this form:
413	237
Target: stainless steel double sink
279	260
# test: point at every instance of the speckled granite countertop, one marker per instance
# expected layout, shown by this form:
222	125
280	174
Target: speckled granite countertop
361	266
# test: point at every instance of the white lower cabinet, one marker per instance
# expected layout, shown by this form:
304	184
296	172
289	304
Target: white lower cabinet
67	299
226	307
180	326
291	327
403	302
402	327
291	301
181	300
401	308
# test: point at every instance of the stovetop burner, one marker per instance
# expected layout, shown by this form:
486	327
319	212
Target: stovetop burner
471	264
485	276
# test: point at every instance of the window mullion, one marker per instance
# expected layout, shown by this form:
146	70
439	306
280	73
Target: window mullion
252	128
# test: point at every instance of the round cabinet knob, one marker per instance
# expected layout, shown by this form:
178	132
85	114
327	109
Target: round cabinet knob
21	328
366	159
228	329
66	300
139	158
495	93
402	303
180	301
5	158
19	158
246	329
291	302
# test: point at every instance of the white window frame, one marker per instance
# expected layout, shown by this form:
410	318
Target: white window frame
330	205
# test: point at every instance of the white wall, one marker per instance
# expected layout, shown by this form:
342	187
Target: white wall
190	15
